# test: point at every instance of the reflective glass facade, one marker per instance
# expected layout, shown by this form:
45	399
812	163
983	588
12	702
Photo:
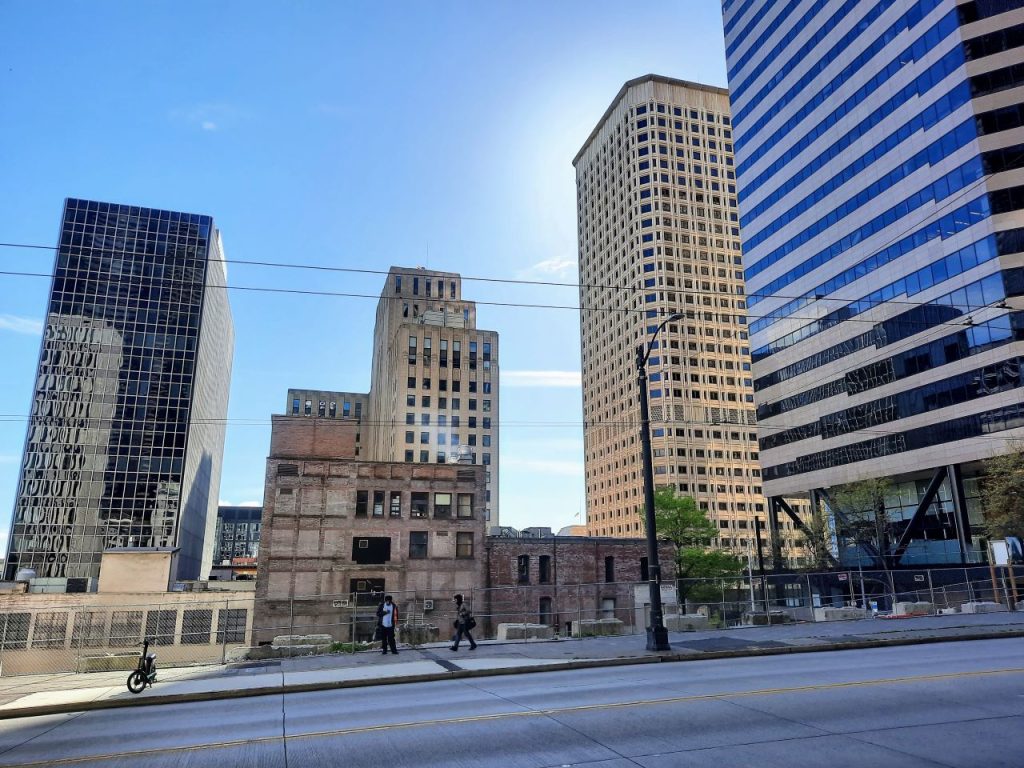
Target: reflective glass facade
126	427
881	217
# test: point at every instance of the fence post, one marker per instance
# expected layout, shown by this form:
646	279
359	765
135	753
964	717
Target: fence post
810	601
78	659
579	607
352	622
970	586
224	635
931	590
291	614
3	642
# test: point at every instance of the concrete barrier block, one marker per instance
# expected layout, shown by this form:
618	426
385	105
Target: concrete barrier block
290	640
513	631
592	627
907	608
978	606
686	622
110	662
840	614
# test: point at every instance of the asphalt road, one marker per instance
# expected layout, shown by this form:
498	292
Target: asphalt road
952	704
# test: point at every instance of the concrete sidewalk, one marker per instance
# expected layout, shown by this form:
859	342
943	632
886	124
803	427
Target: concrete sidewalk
34	695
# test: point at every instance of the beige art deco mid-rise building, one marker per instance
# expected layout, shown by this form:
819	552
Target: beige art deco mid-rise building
658	235
434	381
433	385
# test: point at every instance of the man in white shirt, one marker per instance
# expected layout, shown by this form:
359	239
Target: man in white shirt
387	620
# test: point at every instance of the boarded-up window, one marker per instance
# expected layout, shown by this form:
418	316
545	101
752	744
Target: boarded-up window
195	627
125	628
231	625
160	626
14	630
50	631
371	550
465	505
90	629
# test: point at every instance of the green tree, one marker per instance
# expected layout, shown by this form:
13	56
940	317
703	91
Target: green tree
818	539
1002	495
681	521
863	518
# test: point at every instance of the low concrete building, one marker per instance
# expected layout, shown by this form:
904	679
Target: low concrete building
44	632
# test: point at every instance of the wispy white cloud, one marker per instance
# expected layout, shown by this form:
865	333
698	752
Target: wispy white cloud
223	503
27	325
207	117
557	267
561	467
568	379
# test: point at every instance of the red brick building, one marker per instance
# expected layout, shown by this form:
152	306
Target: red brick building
560	579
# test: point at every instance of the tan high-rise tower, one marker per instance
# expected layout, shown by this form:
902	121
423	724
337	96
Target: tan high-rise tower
434	381
658	235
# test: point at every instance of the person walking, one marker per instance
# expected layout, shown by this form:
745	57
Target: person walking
464	622
387	620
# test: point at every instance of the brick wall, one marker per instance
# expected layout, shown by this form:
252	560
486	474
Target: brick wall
576	586
311	437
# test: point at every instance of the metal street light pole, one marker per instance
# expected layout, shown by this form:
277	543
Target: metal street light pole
657	635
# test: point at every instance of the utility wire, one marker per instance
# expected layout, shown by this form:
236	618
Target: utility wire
517	305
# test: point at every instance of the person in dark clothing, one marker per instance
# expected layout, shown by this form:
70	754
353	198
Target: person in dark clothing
464	622
387	620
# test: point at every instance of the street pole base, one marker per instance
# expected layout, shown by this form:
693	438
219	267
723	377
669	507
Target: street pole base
657	639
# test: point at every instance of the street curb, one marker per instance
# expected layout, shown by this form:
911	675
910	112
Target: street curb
462	674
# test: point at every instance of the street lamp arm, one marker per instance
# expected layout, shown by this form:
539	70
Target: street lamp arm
642	362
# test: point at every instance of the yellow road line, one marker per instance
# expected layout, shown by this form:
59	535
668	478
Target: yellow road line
521	713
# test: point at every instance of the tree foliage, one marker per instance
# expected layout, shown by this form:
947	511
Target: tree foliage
681	521
1002	495
819	539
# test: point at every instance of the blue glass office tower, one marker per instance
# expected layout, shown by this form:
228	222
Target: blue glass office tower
126	428
879	148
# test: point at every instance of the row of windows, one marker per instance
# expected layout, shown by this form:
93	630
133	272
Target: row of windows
923	121
937	190
419	504
419	544
925	357
738	85
962	388
956	263
939	433
427	290
328	410
821	94
941	188
907	324
661	109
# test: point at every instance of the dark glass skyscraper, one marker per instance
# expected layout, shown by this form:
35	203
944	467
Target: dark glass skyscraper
126	428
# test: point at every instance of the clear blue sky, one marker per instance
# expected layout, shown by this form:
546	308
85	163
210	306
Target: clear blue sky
345	134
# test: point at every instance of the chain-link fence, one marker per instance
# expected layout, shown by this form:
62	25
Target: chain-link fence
57	634
831	596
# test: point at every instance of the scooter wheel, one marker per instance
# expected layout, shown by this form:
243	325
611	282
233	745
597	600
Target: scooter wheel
137	682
